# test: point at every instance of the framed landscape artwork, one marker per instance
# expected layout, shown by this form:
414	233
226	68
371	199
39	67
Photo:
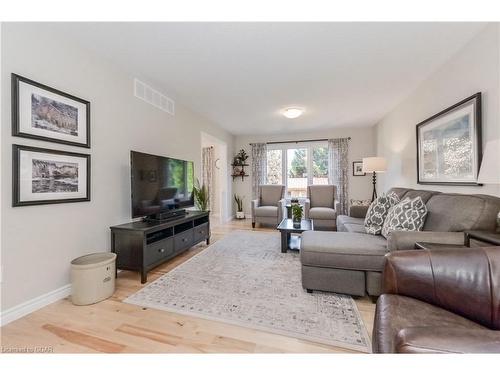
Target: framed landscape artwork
449	145
42	176
44	113
357	168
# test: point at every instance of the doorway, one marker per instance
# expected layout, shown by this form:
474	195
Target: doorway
219	194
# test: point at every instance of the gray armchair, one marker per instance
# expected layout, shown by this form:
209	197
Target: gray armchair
268	208
320	206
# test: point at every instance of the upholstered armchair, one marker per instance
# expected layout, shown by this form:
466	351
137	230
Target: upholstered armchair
439	301
269	207
320	206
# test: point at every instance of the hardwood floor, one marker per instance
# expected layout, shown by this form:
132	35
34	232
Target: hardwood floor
115	327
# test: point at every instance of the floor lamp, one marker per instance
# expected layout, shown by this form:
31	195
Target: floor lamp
374	165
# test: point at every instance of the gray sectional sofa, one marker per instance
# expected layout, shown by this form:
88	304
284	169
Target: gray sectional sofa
350	261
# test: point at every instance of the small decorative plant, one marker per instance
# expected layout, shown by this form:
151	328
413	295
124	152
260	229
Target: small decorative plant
297	211
239	203
201	196
240	158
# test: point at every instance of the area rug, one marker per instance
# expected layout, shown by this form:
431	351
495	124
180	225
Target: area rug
244	279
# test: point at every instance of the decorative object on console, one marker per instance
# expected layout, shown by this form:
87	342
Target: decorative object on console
42	176
408	215
239	203
377	213
201	197
44	113
374	165
449	145
357	168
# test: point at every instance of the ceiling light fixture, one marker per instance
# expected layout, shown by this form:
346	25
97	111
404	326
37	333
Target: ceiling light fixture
293	112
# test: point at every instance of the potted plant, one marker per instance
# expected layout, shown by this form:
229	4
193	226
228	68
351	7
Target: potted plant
241	157
201	197
297	211
239	203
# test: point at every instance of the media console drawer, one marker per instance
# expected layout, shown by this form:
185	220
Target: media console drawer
183	240
158	250
201	232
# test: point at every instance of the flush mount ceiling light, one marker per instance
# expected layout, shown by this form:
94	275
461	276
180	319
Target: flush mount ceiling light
292	112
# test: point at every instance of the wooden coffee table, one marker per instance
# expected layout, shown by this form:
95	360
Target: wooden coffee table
289	242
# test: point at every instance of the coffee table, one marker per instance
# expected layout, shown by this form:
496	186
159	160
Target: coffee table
289	242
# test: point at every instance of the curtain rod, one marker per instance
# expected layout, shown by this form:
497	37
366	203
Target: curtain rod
300	141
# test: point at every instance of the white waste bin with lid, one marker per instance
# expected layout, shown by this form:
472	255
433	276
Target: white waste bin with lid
92	278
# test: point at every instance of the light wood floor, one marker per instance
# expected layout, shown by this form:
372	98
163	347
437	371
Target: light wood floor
112	326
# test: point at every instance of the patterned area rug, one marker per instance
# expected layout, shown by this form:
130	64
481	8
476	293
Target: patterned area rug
245	280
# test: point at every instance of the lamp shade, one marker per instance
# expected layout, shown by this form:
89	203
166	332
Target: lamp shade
489	173
374	164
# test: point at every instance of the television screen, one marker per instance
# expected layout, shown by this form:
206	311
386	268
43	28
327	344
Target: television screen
160	184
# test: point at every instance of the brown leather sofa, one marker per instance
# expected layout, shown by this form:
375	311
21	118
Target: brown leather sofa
441	301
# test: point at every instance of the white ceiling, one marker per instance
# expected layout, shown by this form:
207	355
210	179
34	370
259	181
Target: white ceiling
240	75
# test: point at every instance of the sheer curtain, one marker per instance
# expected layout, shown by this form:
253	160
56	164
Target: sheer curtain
259	167
207	169
338	170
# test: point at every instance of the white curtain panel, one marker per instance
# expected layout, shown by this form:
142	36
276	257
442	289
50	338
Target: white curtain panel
259	167
338	165
207	168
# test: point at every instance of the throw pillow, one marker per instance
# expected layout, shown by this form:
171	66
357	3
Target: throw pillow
377	212
360	202
407	215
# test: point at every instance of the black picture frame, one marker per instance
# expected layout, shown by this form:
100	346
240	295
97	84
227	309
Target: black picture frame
354	168
477	144
16	173
16	126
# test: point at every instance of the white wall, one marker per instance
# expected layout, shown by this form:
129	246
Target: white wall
38	242
472	69
362	144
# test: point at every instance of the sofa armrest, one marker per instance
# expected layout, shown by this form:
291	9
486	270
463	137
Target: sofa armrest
254	204
358	211
447	340
307	207
404	240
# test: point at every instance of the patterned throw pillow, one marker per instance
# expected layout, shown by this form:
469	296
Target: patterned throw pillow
377	212
407	215
360	202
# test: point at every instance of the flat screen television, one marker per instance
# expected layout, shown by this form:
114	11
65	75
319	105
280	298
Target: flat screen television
160	184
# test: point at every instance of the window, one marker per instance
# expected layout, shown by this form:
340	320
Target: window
296	167
296	173
274	167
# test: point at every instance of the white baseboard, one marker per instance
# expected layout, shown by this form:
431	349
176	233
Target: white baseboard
36	303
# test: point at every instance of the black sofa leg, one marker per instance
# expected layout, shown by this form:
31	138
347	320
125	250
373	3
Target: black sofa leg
253	225
374	299
309	290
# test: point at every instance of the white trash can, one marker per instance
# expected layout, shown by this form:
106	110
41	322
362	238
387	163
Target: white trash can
92	278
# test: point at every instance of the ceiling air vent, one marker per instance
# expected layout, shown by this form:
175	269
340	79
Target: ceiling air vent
153	97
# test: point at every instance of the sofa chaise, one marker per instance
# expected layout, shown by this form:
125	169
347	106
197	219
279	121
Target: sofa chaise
350	261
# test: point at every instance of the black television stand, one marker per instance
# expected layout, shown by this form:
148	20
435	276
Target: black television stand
165	216
142	246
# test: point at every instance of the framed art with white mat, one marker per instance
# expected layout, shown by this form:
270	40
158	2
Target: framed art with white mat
43	176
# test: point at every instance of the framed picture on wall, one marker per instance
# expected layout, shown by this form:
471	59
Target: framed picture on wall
42	176
42	112
357	168
449	145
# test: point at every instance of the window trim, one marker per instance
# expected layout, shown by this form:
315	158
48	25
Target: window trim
284	147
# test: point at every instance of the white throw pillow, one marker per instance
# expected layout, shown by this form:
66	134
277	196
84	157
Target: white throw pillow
377	212
407	215
360	202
